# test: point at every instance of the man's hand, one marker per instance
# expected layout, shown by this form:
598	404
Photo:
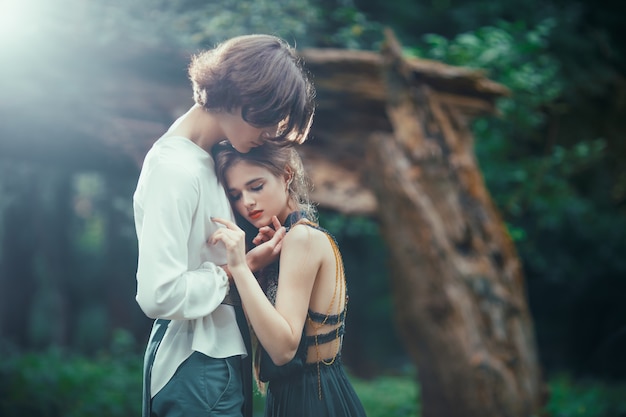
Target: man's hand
269	243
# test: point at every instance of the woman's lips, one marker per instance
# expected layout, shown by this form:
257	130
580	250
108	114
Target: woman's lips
255	214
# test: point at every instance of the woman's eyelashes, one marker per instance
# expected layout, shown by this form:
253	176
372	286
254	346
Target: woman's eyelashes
253	188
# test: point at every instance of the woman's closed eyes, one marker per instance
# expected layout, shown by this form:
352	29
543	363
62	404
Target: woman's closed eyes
256	187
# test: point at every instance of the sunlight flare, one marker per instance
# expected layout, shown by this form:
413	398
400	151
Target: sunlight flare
19	20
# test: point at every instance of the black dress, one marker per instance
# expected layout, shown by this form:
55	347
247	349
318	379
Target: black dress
301	389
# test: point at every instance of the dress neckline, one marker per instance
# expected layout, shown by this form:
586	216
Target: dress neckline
293	218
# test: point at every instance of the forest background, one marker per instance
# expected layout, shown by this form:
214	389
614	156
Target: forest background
553	160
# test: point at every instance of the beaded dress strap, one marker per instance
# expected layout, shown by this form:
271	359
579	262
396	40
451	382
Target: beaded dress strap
318	320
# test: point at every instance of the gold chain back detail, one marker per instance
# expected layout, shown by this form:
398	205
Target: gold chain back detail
340	284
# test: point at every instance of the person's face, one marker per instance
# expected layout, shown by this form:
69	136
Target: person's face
242	135
257	194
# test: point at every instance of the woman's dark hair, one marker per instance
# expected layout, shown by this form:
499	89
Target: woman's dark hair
263	76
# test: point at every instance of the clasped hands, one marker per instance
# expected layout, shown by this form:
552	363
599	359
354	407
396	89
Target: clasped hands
268	244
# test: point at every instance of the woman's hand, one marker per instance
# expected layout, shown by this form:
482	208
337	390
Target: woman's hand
268	247
266	233
234	239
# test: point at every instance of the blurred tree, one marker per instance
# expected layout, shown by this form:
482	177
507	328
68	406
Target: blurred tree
551	163
457	281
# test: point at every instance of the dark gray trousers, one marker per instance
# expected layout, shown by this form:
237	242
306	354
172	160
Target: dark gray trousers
201	386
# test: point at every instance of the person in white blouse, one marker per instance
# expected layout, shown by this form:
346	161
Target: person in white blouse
248	90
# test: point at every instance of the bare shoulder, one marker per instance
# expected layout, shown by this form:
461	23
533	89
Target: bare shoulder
302	236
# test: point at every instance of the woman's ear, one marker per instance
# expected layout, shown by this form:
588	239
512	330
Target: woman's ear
288	176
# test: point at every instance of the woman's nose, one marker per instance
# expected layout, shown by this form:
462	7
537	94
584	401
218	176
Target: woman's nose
248	201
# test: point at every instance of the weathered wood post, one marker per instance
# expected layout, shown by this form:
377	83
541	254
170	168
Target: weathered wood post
458	287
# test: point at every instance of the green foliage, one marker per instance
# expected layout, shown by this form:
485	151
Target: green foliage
187	24
344	26
570	398
532	179
341	226
365	258
516	56
57	383
389	396
193	24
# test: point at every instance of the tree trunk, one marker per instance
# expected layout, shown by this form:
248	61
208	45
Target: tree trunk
458	287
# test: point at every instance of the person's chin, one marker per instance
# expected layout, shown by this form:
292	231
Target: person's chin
260	222
245	148
254	222
241	148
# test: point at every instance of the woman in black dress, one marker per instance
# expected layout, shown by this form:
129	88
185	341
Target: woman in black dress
297	307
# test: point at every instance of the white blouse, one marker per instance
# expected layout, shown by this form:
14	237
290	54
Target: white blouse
178	273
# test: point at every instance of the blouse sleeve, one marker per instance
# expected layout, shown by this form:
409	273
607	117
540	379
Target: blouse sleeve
167	201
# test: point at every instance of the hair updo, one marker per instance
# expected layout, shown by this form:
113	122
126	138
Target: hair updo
279	160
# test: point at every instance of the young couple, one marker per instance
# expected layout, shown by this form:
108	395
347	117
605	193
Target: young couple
206	282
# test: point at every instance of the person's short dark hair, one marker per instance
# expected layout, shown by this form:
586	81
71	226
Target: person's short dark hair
262	75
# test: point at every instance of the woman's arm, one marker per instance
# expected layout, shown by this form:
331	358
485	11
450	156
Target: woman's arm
279	328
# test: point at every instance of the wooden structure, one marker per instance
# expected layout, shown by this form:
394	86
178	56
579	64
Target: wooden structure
392	137
351	105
